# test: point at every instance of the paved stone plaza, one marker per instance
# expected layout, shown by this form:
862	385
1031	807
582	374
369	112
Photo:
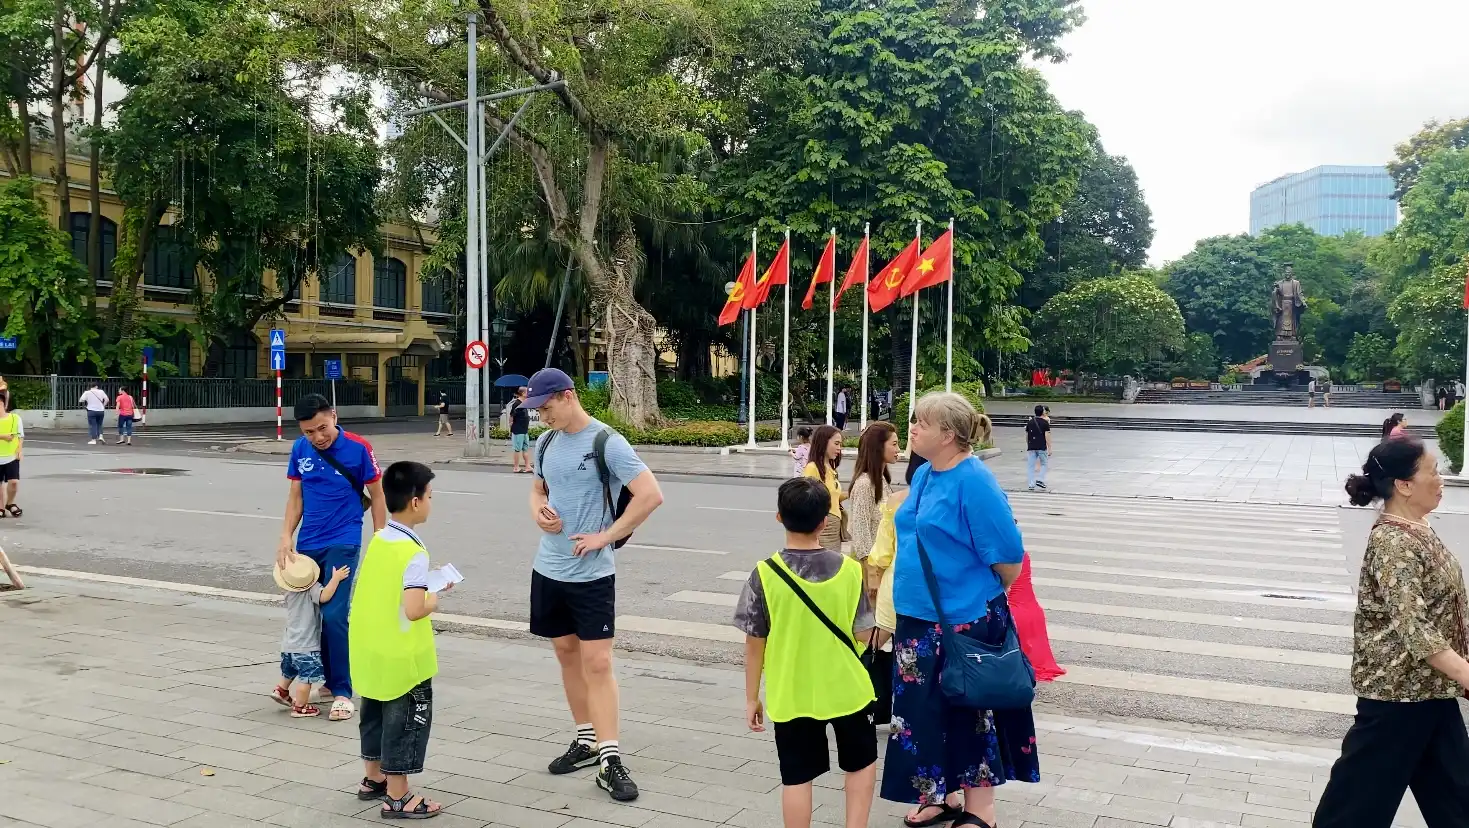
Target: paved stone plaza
136	707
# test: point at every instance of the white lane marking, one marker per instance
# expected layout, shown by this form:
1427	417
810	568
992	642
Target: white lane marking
1182	519
683	629
1188	560
1087	532
483	623
193	589
713	599
1203	619
733	509
1188	576
216	514
653	547
1336	603
1215	649
1079	544
1211	528
1222	691
1177	740
734	576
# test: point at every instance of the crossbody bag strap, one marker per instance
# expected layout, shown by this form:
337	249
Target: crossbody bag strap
342	470
928	577
811	605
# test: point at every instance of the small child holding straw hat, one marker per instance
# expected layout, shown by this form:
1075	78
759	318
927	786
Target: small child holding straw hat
300	579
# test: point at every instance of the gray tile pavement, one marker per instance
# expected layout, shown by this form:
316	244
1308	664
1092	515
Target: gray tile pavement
90	735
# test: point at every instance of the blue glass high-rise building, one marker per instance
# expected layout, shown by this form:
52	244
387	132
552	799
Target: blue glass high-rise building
1331	200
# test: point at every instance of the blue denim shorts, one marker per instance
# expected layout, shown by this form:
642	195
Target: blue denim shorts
520	442
303	667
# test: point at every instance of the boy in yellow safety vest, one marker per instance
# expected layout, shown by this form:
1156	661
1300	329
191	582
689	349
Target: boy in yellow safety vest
803	611
12	436
391	647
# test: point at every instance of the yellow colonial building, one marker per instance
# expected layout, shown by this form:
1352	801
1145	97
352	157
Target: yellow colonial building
373	312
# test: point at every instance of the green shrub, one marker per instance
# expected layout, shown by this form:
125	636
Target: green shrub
29	394
498	433
675	396
1451	437
702	434
972	391
597	401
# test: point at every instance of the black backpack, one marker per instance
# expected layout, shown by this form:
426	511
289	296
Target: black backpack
599	446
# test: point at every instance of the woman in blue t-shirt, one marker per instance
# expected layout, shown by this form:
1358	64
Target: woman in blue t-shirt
969	534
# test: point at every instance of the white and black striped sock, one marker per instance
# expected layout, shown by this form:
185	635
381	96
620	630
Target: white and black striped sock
586	735
607	750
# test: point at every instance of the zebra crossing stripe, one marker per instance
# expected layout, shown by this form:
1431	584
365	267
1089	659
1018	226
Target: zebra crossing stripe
1186	560
1162	575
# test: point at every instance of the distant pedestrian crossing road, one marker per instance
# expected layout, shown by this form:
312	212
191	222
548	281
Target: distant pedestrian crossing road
1231	615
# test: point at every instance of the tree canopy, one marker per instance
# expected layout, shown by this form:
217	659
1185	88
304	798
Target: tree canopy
1111	326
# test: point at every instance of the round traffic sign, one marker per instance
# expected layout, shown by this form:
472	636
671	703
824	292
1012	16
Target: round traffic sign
476	354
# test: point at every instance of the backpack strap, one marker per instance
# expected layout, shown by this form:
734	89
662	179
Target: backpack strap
541	459
599	447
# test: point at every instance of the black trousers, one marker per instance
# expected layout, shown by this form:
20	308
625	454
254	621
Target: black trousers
1394	746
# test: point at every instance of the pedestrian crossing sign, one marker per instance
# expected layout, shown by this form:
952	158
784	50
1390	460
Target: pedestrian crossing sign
277	338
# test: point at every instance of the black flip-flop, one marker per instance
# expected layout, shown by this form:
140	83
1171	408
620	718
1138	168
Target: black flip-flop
970	819
948	813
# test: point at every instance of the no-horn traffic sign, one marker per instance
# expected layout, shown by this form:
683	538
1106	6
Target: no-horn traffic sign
476	354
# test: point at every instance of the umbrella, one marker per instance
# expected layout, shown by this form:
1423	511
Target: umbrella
511	381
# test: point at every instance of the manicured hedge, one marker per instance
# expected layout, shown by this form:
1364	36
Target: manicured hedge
702	434
1451	437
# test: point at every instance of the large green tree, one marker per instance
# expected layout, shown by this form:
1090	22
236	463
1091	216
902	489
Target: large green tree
1110	326
1223	288
225	126
908	111
42	287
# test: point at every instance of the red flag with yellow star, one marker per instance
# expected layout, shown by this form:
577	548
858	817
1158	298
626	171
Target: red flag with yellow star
887	285
774	275
826	270
934	267
744	286
856	272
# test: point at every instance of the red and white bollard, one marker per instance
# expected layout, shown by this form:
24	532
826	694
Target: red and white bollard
277	406
143	420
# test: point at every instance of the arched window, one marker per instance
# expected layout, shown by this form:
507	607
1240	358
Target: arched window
81	225
168	264
339	282
436	293
240	358
390	284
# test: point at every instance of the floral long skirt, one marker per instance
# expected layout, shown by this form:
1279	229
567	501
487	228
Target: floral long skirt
937	747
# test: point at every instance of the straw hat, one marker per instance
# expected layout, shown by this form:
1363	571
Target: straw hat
298	575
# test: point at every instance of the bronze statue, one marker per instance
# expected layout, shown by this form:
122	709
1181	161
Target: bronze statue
1288	304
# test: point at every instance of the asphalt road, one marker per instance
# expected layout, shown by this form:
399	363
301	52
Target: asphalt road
1227	615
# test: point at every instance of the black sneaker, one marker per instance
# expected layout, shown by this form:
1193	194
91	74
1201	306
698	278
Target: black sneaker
575	758
1041	485
616	781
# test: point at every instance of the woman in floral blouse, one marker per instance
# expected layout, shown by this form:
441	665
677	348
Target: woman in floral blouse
1408	666
871	484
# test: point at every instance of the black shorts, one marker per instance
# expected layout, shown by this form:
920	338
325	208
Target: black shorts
801	746
395	732
585	609
10	471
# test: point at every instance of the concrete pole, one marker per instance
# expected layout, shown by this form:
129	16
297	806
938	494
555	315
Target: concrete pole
785	366
482	218
472	414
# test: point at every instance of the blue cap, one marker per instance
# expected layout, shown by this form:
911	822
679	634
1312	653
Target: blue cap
545	383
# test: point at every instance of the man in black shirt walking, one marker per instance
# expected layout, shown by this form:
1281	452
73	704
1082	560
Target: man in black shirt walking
520	432
1037	449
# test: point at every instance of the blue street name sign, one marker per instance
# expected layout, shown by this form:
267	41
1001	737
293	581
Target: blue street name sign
148	354
333	368
8	343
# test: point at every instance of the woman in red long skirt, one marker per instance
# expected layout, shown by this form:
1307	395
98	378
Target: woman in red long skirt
1030	624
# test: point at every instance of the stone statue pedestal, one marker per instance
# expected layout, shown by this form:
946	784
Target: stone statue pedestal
1286	356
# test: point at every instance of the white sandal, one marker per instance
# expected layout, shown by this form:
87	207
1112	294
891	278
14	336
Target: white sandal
342	710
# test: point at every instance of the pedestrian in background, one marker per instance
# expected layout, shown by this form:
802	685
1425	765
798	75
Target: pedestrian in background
826	456
12	440
94	399
392	645
1408	657
573	587
802	612
1395	426
1441	395
126	409
520	433
957	516
801	451
1037	450
872	483
839	410
334	480
444	422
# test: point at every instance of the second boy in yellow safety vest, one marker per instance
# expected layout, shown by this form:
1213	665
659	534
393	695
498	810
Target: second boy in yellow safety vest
802	612
391	645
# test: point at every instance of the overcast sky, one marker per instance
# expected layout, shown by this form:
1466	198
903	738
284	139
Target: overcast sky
1208	100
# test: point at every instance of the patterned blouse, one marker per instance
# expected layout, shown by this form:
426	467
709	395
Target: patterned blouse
864	514
1410	604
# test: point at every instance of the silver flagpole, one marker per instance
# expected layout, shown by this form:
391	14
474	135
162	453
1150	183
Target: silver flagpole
949	346
866	311
913	358
472	276
785	367
754	336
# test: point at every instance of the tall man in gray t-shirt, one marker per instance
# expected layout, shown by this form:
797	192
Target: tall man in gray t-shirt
573	591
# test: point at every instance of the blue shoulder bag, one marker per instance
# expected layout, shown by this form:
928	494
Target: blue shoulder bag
973	673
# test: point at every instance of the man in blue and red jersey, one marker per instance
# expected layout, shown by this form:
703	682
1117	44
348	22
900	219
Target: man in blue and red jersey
334	480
